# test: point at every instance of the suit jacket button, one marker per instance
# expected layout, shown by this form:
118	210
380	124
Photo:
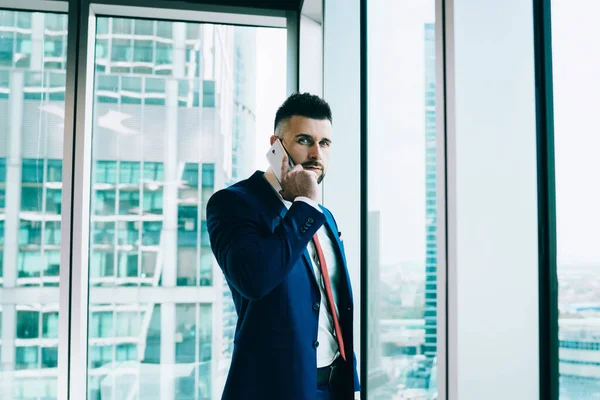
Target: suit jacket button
316	344
316	306
311	220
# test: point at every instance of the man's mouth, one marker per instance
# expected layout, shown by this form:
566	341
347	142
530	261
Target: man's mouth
313	167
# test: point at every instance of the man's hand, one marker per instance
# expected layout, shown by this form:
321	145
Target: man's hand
298	182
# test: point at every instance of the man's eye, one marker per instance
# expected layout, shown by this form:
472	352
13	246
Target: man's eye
302	140
325	144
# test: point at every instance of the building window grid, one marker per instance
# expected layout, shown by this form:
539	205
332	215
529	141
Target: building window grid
21	34
44	236
137	175
47	245
45	340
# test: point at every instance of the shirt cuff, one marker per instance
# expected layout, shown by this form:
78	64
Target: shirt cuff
356	395
309	202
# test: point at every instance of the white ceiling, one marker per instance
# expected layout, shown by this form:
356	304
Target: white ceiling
313	9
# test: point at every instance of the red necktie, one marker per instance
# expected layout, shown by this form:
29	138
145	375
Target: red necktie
327	283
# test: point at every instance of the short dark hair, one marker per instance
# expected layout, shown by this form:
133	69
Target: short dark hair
303	105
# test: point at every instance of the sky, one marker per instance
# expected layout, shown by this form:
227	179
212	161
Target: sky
397	123
271	49
576	59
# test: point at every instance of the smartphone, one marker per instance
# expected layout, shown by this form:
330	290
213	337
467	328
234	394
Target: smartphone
275	156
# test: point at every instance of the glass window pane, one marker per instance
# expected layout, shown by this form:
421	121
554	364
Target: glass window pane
128	233
121	50
575	62
53	201
143	27
106	171
104	233
27	358
24	20
102	26
164	58
105	202
165	29
52	265
208	94
2	169
31	198
52	233
128	265
151	233
143	51
126	352
49	357
129	202
149	264
155	165
55	168
101	324
128	324
208	175
185	330
102	264
50	325
402	292
129	172
121	25
153	200
100	356
30	233
29	264
55	22
28	324
33	171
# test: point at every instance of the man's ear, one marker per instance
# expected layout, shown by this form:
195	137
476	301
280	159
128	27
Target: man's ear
273	139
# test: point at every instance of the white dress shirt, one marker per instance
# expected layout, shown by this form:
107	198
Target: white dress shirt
328	348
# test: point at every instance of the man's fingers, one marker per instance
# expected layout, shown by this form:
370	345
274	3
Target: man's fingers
314	173
284	195
284	165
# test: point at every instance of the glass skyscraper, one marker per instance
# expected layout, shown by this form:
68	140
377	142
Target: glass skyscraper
172	107
430	310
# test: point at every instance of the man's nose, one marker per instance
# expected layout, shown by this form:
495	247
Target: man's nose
315	153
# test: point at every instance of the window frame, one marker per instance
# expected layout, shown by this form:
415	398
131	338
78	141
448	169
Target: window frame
74	293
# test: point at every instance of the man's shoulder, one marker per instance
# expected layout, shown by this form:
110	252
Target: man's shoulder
243	190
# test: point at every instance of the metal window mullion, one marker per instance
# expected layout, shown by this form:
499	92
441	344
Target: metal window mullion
72	360
441	196
547	241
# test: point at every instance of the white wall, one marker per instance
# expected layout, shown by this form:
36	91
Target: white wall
311	56
342	92
492	201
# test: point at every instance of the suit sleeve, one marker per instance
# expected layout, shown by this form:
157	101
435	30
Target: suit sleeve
356	379
255	261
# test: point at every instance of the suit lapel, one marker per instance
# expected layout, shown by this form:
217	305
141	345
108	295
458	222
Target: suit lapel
330	224
309	266
341	255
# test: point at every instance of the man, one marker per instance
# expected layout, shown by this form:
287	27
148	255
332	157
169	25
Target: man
283	258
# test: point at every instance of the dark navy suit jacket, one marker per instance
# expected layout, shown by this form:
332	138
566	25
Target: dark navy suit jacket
261	248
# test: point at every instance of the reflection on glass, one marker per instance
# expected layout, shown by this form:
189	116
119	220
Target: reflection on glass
402	337
32	90
164	130
575	78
